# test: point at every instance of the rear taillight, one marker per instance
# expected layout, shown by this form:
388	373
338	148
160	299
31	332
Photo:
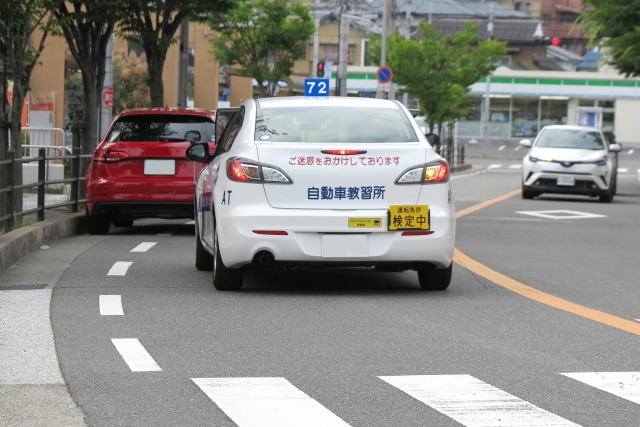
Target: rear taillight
430	173
243	170
108	156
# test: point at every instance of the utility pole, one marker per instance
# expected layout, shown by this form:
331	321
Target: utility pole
343	50
487	97
386	13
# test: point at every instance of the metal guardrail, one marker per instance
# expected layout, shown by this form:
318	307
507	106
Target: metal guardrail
7	167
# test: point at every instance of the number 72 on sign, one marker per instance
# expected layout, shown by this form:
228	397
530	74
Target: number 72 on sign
316	87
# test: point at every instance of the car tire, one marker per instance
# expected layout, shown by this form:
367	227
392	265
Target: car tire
607	197
528	194
126	222
98	224
204	260
224	279
432	279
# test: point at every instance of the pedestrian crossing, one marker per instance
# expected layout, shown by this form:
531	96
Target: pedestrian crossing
471	402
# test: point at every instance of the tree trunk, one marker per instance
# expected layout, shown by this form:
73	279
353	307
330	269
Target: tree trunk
156	86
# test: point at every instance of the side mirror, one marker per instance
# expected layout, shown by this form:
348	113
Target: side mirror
615	148
198	152
526	143
433	139
193	136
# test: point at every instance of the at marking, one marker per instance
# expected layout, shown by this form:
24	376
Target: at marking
135	355
474	403
268	401
622	384
144	247
561	214
119	268
111	305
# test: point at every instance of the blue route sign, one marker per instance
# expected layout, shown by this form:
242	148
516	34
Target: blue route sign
316	87
384	74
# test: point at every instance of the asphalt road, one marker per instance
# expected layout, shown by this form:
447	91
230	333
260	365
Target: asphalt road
538	327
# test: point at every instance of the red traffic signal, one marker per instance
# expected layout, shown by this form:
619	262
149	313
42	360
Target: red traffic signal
320	69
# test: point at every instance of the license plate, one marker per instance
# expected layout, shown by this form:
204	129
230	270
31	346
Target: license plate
566	180
409	217
159	167
365	222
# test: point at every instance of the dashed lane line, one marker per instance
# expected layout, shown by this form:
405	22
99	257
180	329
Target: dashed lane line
144	247
135	355
119	268
111	305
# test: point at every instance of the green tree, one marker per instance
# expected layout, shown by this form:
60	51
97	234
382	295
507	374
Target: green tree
438	70
263	38
615	23
87	26
19	21
152	24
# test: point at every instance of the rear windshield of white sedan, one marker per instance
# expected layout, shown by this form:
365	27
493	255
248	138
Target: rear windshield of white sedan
333	124
570	138
161	128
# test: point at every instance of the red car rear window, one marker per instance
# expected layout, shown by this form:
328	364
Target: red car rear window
162	128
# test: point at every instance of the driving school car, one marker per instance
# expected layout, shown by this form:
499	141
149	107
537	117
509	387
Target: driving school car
335	181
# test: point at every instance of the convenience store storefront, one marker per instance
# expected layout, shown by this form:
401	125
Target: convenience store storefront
522	102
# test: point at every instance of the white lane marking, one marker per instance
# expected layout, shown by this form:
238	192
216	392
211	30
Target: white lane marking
111	305
474	403
561	214
135	355
119	268
27	349
623	170
144	247
515	166
622	384
495	166
266	402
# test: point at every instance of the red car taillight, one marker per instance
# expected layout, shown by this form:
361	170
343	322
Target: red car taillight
107	156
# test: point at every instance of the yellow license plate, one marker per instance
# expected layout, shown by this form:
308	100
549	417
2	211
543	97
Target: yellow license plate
409	217
365	222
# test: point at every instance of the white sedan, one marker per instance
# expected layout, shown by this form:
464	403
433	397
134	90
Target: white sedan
335	181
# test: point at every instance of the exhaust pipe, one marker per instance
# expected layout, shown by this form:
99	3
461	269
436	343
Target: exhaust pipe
263	257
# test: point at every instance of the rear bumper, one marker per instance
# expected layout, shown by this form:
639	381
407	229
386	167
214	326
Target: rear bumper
133	210
322	238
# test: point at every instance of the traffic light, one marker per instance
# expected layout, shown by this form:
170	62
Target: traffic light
320	69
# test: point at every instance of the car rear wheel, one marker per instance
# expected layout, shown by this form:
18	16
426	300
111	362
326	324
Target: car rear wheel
204	260
98	224
432	279
224	279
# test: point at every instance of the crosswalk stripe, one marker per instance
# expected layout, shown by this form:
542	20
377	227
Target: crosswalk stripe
119	268
144	247
474	403
135	355
622	384
110	305
271	401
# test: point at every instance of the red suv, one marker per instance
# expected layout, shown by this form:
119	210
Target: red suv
139	170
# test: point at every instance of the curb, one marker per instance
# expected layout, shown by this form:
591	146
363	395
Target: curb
18	243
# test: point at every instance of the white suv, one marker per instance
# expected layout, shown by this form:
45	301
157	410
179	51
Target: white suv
568	159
